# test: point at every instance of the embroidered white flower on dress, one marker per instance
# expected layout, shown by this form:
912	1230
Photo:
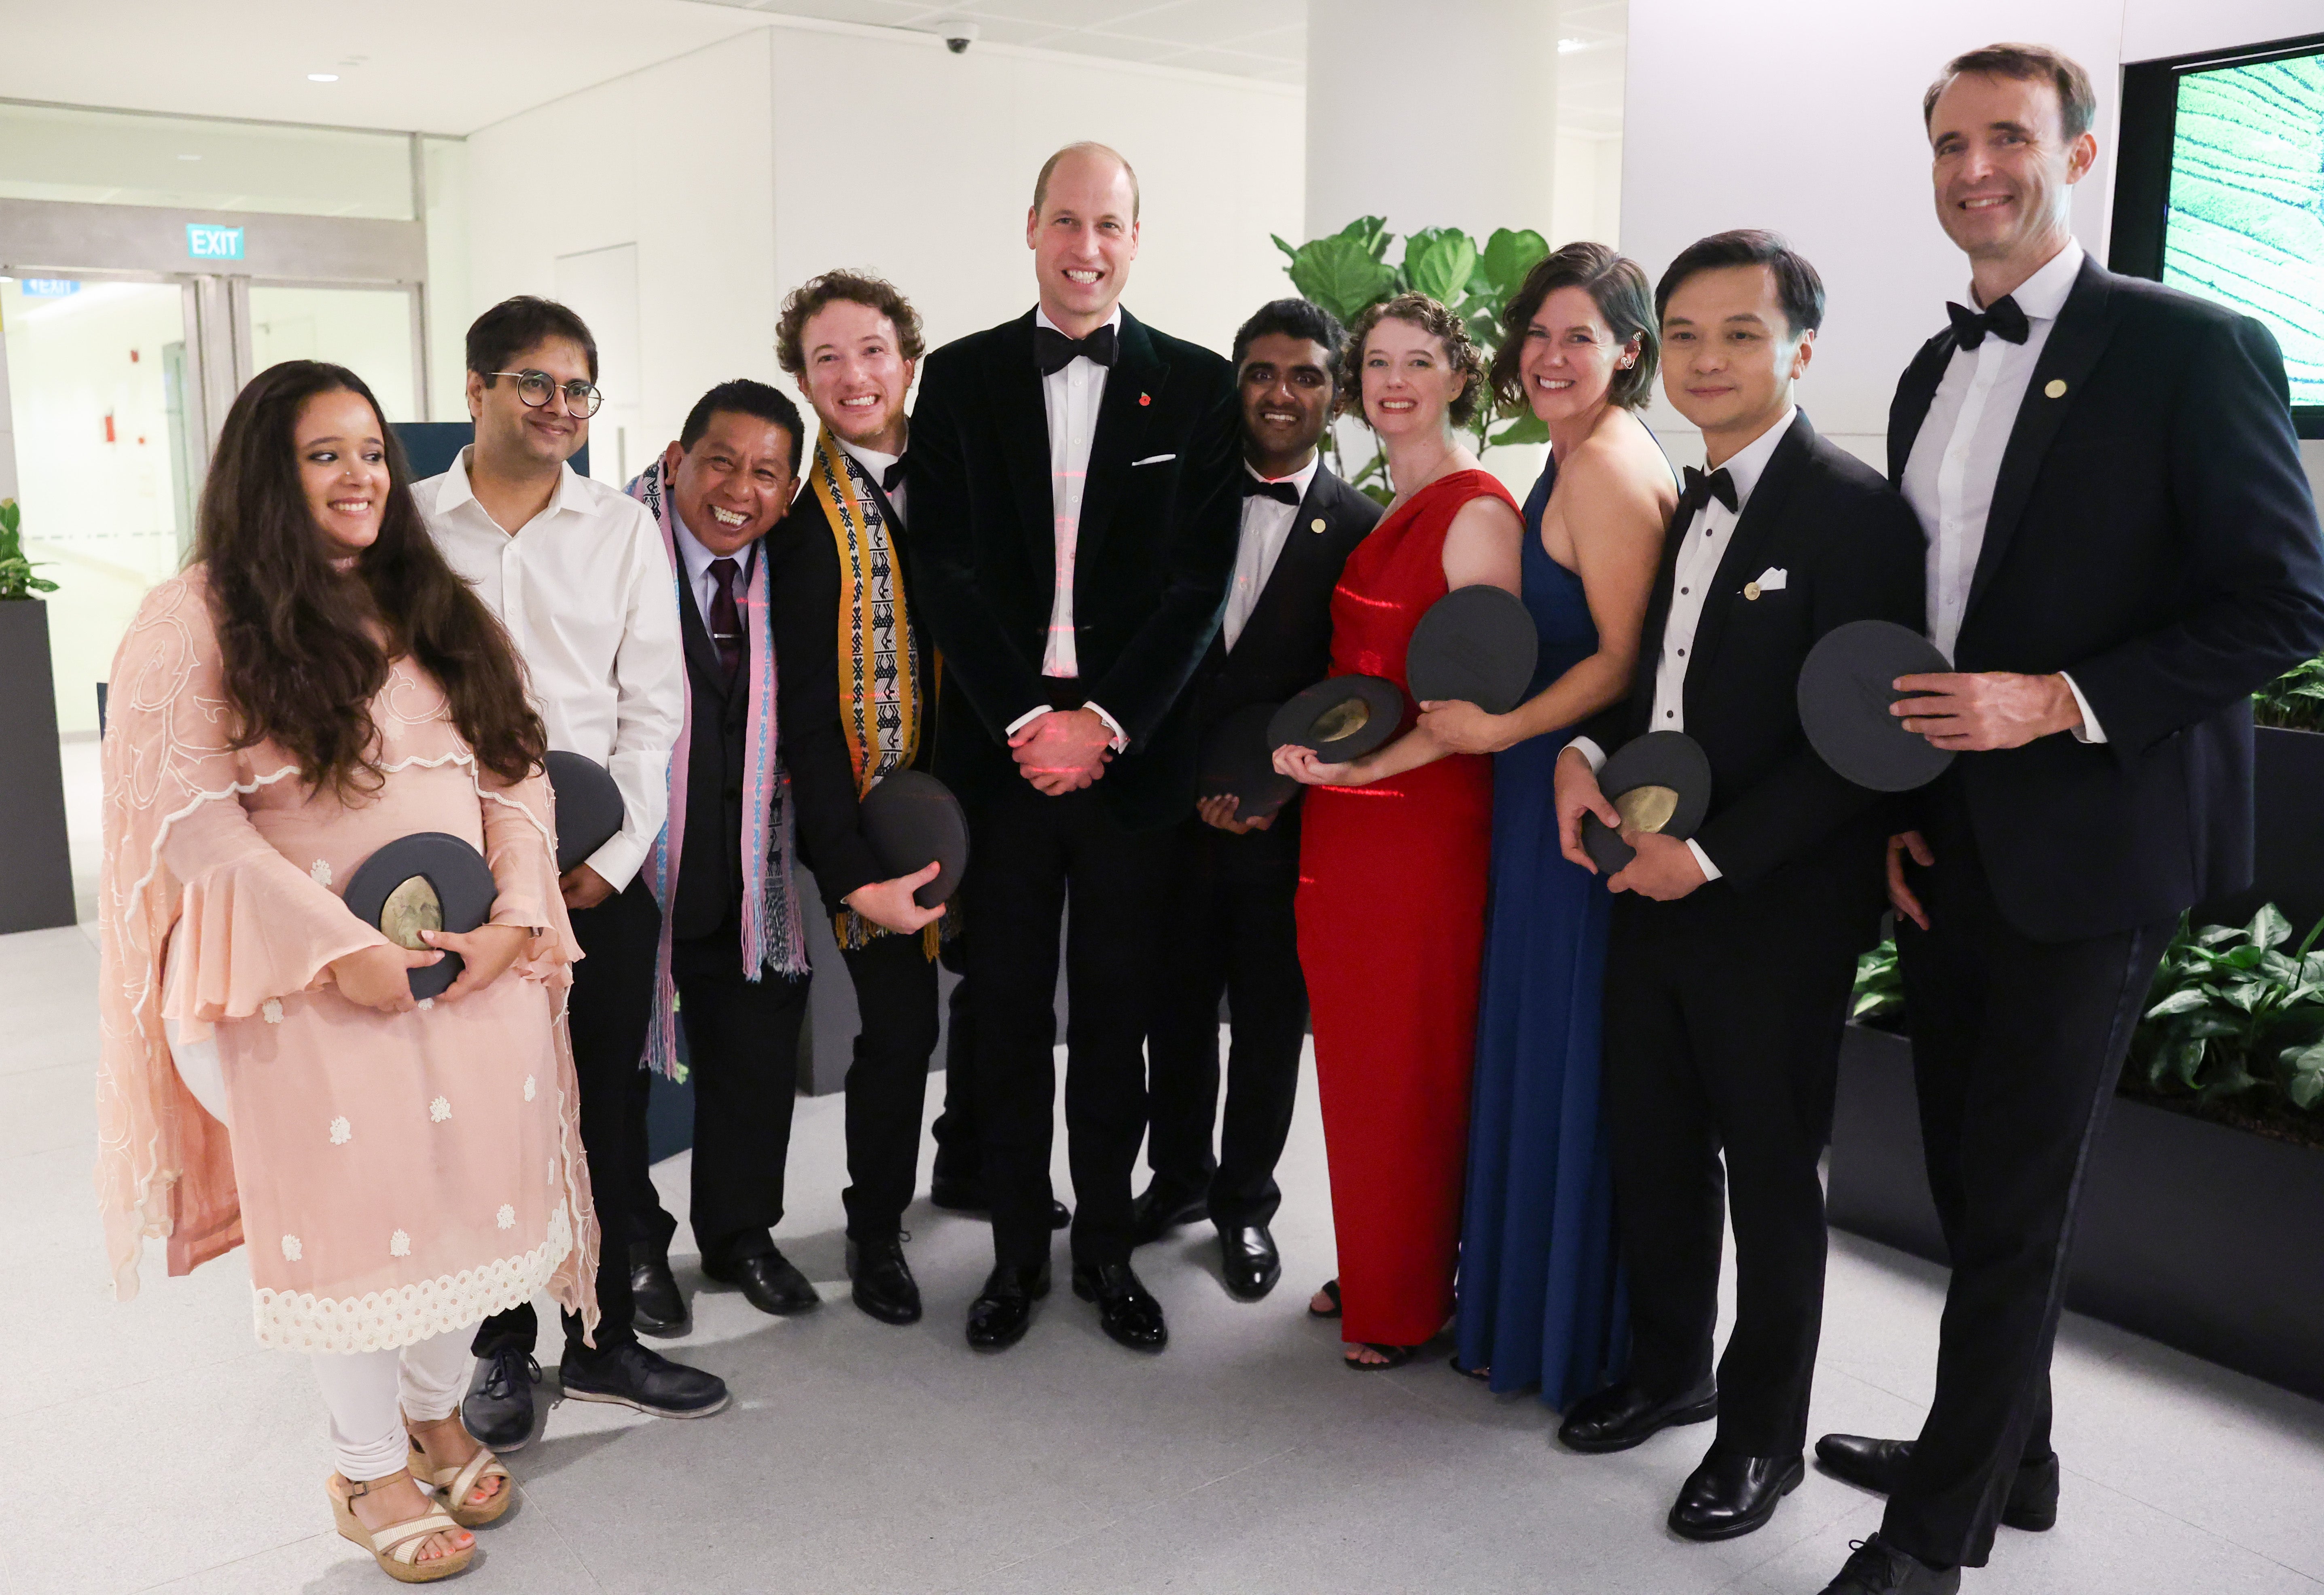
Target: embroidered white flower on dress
399	1245
425	1003
506	1217
272	1008
440	1110
342	1131
528	1088
291	1250
321	872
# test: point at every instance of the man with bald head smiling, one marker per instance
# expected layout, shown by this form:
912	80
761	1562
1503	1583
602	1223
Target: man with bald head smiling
1074	511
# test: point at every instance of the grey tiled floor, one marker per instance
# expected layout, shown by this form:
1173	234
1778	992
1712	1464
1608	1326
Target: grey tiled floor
151	1445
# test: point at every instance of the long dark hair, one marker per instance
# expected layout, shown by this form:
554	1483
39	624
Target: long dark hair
307	644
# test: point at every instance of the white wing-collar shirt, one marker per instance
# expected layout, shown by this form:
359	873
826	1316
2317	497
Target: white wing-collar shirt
1267	524
1956	458
876	465
584	590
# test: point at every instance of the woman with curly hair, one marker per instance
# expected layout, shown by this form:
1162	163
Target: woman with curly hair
1394	850
317	684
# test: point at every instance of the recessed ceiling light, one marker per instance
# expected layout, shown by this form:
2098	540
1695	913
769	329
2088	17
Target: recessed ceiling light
322	76
1568	46
189	157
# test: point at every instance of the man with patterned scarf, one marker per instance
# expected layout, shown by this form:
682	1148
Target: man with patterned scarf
859	694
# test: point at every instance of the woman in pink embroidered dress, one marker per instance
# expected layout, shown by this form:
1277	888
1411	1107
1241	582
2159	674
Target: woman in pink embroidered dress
317	684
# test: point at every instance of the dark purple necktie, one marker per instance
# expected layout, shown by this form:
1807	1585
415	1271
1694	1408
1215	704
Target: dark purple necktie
726	619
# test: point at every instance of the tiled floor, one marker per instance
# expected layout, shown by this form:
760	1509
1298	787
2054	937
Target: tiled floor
151	1445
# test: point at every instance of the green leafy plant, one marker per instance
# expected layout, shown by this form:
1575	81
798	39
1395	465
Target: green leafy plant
2294	700
1879	997
1349	273
16	578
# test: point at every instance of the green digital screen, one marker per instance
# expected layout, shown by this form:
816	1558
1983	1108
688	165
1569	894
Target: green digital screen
2245	224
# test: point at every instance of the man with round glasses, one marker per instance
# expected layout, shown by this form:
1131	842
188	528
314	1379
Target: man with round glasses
576	572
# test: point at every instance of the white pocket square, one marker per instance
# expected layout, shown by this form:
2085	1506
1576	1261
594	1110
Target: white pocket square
1153	459
1774	579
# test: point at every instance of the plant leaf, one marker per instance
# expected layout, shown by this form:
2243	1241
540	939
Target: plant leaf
2269	927
1509	254
1437	262
1527	427
1341	275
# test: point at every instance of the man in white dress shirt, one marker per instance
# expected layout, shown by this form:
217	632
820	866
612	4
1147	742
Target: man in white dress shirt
576	572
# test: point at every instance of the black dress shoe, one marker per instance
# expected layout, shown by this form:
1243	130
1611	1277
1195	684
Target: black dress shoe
1878	1465
1623	1416
997	1318
498	1407
1131	1315
1877	1569
768	1283
962	1195
1730	1494
656	1306
884	1286
1156	1213
1252	1265
631	1376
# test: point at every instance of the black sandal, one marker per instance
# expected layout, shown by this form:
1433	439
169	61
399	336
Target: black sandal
1482	1375
1396	1357
1331	1287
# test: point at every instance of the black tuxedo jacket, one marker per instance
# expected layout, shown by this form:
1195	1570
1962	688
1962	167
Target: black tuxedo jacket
1851	550
1285	646
2151	535
803	603
710	863
1157	545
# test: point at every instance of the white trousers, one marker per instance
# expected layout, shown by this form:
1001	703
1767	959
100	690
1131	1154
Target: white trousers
369	1394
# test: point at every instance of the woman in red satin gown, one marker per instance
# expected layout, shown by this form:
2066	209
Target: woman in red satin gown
1394	854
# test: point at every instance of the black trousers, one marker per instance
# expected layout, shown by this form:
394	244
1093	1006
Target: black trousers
611	1004
1722	1027
1029	857
741	1047
960	1145
1227	927
888	1080
2017	1046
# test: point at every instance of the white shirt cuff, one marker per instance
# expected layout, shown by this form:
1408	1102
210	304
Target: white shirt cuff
1591	751
2089	730
1026	719
617	862
1710	870
1120	737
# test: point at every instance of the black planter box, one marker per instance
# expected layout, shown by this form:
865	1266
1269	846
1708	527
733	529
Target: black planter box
2202	1236
36	889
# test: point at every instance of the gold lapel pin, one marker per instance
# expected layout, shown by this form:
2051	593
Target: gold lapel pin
1317	524
2056	388
1751	590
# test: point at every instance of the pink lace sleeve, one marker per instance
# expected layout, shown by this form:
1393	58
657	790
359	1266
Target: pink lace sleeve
519	845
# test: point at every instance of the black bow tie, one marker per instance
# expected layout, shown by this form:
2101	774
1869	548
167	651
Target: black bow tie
1701	488
1282	493
2002	318
892	477
1055	351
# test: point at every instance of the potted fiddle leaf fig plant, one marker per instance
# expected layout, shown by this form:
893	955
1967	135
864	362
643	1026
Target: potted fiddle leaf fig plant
35	870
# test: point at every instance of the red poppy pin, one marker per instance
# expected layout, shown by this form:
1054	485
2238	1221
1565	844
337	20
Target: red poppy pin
1144	398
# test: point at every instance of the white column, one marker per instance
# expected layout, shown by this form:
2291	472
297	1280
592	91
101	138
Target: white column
1435	116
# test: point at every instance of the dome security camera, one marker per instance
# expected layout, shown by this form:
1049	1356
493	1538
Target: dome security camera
959	36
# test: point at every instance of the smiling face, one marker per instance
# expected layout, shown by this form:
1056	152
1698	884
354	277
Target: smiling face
734	482
1569	355
1409	380
517	436
854	377
2004	168
343	467
1285	385
1729	356
1083	237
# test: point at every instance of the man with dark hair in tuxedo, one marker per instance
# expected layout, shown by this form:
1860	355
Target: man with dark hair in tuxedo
1730	956
1074	515
2121	548
1228	928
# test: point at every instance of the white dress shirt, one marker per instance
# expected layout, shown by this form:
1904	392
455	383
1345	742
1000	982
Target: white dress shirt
584	588
1956	459
1703	544
697	561
1265	528
876	465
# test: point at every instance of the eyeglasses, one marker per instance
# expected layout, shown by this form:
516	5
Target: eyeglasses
534	387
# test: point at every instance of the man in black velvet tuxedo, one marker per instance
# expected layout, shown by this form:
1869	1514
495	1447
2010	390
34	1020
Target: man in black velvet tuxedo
1227	926
1074	513
1731	957
2121	548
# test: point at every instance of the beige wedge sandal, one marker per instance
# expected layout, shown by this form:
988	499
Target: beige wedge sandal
396	1548
453	1486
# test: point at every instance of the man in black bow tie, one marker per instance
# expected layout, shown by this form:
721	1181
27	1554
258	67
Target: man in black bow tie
2121	548
1074	515
1229	926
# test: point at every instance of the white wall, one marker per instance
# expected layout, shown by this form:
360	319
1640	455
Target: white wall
738	171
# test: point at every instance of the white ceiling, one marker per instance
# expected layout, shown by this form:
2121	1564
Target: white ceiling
453	66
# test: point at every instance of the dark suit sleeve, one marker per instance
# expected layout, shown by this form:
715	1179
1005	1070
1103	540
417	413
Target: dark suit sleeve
2254	568
1871	567
1001	685
1205	519
803	613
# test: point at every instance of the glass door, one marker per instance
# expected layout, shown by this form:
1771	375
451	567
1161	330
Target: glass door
373	332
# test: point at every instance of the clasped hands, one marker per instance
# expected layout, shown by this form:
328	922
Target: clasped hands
1062	751
1665	868
378	976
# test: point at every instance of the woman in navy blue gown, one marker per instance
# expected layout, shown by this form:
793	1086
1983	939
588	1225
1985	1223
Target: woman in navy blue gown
1540	1295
